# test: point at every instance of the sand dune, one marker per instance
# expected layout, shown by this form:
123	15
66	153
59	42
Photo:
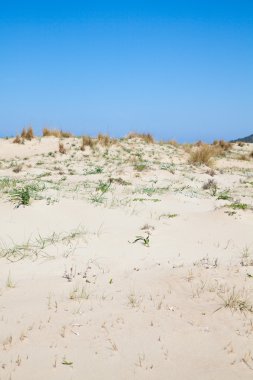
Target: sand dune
122	266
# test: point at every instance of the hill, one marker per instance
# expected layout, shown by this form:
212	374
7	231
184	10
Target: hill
247	139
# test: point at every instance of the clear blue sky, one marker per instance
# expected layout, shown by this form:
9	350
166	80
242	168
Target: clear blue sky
180	69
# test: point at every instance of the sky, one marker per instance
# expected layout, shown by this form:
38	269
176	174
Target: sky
180	69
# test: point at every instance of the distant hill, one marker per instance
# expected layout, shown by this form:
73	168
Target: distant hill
247	139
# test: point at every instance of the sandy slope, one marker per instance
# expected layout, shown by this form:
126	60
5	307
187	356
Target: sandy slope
79	299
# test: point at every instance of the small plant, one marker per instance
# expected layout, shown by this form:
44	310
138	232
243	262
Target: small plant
146	137
104	140
239	206
23	133
246	259
9	282
145	240
133	301
243	157
210	185
235	301
17	140
27	134
224	196
17	169
140	167
87	141
55	133
96	170
21	196
103	186
79	293
168	216
62	148
173	143
224	145
66	362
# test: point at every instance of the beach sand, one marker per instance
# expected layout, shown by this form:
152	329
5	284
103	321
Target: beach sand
122	266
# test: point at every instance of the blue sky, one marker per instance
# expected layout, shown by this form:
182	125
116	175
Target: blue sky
179	69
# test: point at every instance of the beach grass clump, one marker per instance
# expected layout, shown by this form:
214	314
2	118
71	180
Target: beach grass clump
238	206
236	300
18	140
62	148
223	145
55	133
202	155
146	137
27	134
173	143
87	141
104	140
21	196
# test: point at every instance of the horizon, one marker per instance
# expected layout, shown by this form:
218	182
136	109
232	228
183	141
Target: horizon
96	135
178	70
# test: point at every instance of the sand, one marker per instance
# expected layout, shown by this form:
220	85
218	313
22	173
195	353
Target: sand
82	297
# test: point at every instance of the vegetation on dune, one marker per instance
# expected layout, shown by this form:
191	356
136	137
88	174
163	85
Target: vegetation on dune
55	133
146	137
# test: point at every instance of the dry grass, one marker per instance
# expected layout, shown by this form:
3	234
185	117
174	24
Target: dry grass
244	157
87	141
62	148
203	155
224	145
146	137
27	134
104	140
236	301
173	143
199	143
56	133
17	140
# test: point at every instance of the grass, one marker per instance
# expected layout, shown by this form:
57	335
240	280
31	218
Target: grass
87	141
224	196
144	240
146	137
61	148
140	167
96	170
101	189
55	133
202	155
224	145
246	259
105	140
168	216
235	300
36	247
18	140
27	134
133	301
238	206
9	282
210	185
21	196
79	292
67	362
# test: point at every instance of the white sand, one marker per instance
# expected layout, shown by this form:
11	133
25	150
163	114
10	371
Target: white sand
75	289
